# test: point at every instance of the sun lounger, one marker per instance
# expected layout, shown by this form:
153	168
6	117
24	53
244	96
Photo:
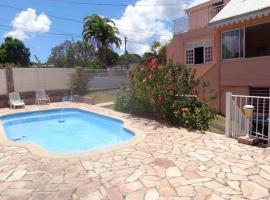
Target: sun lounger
42	97
15	100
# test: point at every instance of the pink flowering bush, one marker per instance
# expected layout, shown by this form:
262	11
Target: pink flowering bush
167	93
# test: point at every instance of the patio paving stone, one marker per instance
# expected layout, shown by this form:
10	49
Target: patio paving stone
169	163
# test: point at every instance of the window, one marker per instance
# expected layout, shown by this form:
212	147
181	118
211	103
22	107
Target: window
257	40
199	55
259	91
190	57
208	54
253	41
232	44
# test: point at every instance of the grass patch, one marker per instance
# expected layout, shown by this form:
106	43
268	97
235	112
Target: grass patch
218	125
111	107
102	96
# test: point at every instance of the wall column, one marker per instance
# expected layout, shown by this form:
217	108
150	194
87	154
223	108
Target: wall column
228	114
9	79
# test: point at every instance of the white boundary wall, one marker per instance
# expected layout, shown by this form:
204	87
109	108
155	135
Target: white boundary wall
107	79
3	82
30	79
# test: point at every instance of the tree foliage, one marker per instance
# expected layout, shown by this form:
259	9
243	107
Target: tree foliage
102	34
73	53
158	52
112	57
130	58
77	53
14	51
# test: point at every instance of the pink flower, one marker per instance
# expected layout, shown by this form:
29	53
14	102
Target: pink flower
144	80
194	91
152	64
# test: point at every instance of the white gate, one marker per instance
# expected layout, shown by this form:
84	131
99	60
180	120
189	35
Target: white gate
238	124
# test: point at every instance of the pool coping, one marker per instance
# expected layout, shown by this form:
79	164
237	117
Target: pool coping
38	150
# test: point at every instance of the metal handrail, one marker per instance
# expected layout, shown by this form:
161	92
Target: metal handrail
260	97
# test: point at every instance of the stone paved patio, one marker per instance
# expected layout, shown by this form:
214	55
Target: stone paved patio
169	163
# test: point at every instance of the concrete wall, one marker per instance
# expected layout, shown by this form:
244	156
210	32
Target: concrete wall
3	82
107	79
30	79
247	72
176	50
98	83
54	80
211	76
199	16
198	19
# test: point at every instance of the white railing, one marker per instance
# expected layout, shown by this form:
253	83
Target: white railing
238	124
214	11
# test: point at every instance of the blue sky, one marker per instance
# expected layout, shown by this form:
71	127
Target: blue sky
140	24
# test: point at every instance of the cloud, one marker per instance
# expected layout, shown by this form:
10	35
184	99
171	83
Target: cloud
143	24
20	35
27	23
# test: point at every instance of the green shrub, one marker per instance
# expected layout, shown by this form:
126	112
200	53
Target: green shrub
167	93
122	100
79	83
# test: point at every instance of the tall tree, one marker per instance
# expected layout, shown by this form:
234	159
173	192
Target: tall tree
130	58
102	34
157	51
14	51
71	54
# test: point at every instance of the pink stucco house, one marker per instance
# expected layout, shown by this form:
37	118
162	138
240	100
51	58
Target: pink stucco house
228	43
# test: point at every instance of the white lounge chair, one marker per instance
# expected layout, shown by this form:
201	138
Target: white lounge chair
15	100
42	97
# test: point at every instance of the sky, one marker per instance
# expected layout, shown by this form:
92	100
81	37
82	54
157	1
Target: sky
43	24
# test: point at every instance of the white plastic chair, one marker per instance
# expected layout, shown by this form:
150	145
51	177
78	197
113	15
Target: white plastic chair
42	97
15	100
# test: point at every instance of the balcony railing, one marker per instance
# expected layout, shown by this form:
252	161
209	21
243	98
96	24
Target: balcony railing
214	11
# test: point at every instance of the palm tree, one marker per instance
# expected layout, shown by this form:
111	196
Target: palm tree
102	34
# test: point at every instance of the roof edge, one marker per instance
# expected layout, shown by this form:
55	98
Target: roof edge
201	5
240	18
198	6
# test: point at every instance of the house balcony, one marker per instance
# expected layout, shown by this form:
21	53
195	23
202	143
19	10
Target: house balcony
214	11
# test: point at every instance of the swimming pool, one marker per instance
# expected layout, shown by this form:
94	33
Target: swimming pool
67	130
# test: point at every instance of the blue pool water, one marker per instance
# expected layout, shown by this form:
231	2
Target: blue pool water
65	130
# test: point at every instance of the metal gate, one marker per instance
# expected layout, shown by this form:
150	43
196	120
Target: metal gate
238	123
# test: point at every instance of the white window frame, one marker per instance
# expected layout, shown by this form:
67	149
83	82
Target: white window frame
205	47
244	43
193	54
